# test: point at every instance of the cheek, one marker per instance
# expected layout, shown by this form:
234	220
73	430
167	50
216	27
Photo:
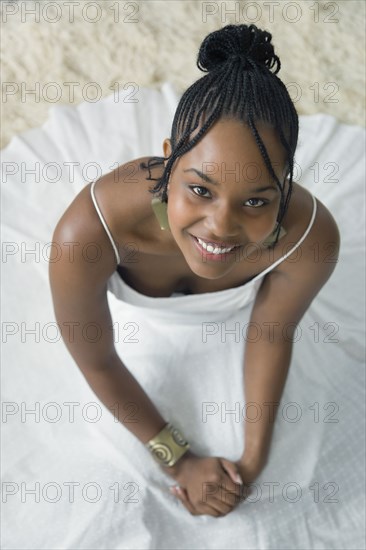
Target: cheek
268	223
179	210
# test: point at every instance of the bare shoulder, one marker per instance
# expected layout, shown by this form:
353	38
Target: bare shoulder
118	195
299	278
123	198
317	254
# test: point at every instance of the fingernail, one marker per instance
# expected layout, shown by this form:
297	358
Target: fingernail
238	479
172	489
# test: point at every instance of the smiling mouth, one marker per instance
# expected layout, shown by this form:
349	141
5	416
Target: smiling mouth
213	248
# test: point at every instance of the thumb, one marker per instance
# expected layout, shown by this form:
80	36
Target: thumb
232	470
178	492
174	490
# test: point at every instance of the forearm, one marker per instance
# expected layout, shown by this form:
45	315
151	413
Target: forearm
266	366
120	392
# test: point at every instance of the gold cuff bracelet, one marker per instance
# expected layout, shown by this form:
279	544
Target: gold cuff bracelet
168	446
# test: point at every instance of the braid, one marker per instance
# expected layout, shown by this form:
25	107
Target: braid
239	84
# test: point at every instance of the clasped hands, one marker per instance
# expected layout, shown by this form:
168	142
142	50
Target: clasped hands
212	486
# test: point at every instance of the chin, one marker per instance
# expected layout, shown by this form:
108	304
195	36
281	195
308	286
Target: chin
207	271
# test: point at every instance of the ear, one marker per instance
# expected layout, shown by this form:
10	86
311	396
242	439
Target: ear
167	149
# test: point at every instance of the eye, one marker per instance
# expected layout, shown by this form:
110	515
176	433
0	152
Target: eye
197	187
255	199
205	190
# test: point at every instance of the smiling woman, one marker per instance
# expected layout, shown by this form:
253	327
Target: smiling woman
222	214
238	233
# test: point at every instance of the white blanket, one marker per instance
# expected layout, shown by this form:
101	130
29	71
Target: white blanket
72	476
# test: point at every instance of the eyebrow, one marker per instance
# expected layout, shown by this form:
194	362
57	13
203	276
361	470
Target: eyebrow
207	179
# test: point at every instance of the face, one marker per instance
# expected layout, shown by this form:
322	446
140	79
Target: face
222	193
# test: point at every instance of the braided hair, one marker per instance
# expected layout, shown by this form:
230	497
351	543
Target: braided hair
239	84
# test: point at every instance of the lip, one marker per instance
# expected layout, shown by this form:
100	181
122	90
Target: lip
210	256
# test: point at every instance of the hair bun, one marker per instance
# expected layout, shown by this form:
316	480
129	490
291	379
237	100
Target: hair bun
249	44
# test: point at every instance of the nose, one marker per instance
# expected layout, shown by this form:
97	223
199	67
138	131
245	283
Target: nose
222	222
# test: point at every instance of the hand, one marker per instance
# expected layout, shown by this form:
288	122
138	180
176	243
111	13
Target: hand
207	485
248	468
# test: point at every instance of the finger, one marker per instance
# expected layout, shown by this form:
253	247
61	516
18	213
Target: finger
183	497
218	496
229	491
173	490
241	494
226	500
224	491
232	470
246	491
220	507
216	509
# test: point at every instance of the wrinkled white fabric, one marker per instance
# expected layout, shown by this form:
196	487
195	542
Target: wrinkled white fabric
311	493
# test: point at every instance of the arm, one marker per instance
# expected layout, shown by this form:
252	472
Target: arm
79	295
282	300
265	372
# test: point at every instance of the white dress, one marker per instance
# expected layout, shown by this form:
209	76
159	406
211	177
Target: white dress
187	353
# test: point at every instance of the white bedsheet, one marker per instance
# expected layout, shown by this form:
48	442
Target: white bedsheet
94	485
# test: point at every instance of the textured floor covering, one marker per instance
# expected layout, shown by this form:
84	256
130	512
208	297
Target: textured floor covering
68	53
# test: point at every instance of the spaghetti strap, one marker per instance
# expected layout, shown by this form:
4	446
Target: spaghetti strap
295	246
104	222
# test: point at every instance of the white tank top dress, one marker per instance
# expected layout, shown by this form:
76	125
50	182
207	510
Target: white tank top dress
187	353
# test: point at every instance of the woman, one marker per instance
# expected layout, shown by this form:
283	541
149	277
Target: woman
229	214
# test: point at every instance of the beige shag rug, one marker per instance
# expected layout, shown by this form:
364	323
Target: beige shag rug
66	52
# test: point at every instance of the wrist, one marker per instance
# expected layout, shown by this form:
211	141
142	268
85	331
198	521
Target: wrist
252	464
249	471
168	446
176	471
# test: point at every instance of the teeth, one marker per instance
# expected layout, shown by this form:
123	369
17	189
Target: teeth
213	249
